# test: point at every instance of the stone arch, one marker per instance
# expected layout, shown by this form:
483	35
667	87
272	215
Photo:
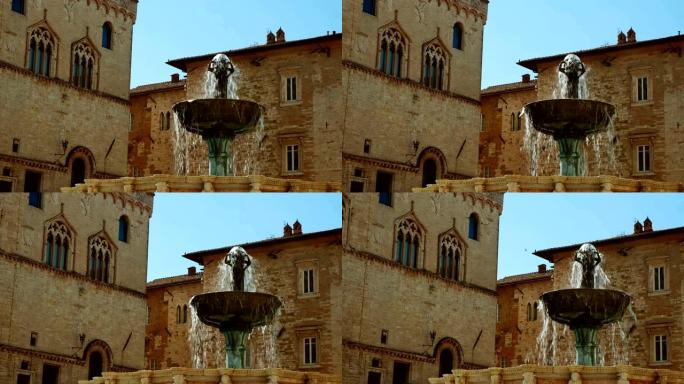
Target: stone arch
435	156
97	356
455	351
81	164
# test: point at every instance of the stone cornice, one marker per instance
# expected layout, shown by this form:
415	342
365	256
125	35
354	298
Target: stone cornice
419	272
389	164
63	83
69	274
409	83
125	8
414	356
56	357
48	166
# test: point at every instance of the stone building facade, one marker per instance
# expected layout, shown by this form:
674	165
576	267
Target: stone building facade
166	334
411	79
502	137
643	79
72	286
299	84
646	264
60	62
519	318
419	281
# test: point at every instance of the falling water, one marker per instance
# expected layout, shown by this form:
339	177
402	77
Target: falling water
210	82
188	149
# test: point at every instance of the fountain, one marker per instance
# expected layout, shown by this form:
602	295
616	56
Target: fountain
219	117
236	313
570	118
588	308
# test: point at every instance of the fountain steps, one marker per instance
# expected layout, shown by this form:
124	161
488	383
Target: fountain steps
171	183
517	183
573	374
215	376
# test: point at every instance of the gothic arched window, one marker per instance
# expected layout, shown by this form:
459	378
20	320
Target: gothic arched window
457	42
100	259
57	245
41	51
107	35
434	67
84	66
473	226
392	52
450	257
408	240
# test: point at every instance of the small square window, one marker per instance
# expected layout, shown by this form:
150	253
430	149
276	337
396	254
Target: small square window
661	352
310	352
366	146
25	365
292	158
15	145
7	172
357	187
50	374
369	7
18	6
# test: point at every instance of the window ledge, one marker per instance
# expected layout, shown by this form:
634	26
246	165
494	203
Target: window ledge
308	295
309	366
290	103
643	174
660	364
659	293
296	173
642	103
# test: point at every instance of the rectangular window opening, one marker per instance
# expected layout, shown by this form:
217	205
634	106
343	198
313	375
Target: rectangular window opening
642	89
310	350
309	281
644	158
291	89
661	348
292	155
659	278
50	374
383	185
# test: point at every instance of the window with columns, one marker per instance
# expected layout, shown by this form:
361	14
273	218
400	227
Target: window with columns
450	257
58	242
84	66
392	55
408	243
434	67
41	51
100	259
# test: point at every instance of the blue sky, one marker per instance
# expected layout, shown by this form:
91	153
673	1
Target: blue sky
515	30
544	220
525	29
193	222
171	29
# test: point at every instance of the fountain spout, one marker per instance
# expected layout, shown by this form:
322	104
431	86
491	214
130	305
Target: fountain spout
573	68
239	261
222	68
589	257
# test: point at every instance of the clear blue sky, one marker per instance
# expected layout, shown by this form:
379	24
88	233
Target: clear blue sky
193	222
525	29
171	29
545	220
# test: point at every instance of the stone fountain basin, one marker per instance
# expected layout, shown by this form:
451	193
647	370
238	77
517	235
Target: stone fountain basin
235	310
570	118
586	307
218	117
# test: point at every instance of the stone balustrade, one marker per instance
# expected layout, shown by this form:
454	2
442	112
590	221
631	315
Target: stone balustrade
574	374
171	183
515	183
214	376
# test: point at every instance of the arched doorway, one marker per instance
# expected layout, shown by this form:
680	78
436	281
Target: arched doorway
95	364
429	172
78	171
446	361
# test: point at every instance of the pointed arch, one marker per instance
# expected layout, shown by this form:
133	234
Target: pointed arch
393	50
101	258
42	44
436	61
451	260
85	64
58	243
409	235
